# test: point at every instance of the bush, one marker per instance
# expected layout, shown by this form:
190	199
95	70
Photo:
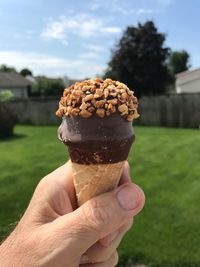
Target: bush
48	87
6	95
7	121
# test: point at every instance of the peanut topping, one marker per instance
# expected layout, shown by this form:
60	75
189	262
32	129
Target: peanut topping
100	112
100	97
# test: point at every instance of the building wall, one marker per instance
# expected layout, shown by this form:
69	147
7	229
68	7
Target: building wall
188	86
17	92
188	82
170	111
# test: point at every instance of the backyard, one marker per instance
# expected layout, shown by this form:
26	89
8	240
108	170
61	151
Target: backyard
164	162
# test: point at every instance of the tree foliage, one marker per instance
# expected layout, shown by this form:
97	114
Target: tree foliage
48	87
139	60
6	68
178	61
25	72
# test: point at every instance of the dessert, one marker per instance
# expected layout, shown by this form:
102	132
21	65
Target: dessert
97	128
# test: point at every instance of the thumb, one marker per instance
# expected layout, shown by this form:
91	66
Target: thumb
101	215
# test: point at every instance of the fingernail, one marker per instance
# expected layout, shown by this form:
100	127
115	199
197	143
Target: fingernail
84	259
128	197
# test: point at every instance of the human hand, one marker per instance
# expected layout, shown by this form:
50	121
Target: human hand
52	233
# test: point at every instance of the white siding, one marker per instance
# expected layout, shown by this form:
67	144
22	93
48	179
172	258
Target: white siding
189	82
190	87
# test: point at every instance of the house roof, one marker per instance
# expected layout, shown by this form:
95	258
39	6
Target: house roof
188	73
11	79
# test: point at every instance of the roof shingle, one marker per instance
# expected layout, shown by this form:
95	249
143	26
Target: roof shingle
11	79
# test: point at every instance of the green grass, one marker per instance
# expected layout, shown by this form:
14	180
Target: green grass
164	162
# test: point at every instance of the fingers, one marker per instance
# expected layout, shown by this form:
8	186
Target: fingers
125	178
106	241
111	262
61	177
102	215
101	253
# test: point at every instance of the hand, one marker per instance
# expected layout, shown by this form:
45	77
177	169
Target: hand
53	233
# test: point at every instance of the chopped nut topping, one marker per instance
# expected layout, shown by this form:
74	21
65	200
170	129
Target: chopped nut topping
85	114
91	109
69	109
113	101
100	112
100	97
89	97
123	109
74	112
99	103
99	92
83	106
106	93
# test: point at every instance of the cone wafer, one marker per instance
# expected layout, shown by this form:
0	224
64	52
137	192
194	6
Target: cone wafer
97	129
92	180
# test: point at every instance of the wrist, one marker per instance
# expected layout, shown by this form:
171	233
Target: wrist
9	252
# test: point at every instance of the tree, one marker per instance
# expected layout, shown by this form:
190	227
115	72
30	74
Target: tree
26	72
6	68
48	87
139	60
178	61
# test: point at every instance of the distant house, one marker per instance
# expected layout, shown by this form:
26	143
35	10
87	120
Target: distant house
16	83
188	82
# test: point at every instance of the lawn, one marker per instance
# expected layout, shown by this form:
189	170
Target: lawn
164	162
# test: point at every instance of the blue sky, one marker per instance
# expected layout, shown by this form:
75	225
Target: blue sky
75	38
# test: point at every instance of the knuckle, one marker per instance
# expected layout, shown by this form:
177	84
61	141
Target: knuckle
96	213
101	255
115	258
127	226
105	255
43	183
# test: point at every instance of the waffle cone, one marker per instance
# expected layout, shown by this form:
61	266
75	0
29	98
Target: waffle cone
95	179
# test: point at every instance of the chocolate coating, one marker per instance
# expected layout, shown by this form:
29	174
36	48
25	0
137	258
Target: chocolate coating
96	140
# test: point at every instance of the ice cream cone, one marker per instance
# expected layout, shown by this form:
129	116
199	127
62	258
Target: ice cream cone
95	179
97	129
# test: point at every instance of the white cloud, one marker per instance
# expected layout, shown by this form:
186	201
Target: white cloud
110	29
128	8
89	55
95	48
55	30
50	65
83	25
93	52
142	11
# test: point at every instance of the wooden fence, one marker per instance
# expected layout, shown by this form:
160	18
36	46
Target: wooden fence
168	110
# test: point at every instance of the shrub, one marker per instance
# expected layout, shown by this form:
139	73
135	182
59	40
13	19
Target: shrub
6	95
8	119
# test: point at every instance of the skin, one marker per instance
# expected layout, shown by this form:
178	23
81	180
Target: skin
54	232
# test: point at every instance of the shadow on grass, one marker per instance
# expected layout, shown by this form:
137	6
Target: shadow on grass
12	137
